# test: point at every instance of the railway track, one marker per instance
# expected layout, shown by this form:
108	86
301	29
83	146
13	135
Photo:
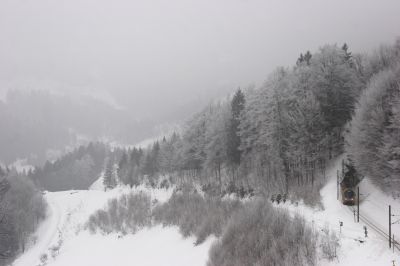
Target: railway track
376	228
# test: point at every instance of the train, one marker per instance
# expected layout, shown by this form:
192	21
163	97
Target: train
348	184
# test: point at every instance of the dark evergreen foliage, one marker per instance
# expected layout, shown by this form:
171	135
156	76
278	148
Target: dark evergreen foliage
233	139
75	170
21	209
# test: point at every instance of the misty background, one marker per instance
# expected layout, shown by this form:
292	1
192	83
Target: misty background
130	70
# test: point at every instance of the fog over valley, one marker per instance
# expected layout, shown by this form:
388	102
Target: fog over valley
199	132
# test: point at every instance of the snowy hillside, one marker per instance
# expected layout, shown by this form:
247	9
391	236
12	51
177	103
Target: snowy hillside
355	248
62	239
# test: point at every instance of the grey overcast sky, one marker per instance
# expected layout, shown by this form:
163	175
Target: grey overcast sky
155	55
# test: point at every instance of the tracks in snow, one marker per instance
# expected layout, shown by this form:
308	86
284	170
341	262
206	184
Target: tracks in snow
375	228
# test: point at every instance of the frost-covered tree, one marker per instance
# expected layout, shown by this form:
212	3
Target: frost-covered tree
194	141
336	86
168	152
374	134
233	138
261	132
216	142
21	209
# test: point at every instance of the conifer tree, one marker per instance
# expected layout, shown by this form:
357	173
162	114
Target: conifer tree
108	177
233	139
348	55
307	57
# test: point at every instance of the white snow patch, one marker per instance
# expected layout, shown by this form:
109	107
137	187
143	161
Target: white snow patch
98	184
150	246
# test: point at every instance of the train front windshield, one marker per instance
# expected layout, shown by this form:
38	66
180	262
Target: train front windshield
349	194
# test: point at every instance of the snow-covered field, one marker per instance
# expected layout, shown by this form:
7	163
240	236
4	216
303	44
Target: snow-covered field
64	240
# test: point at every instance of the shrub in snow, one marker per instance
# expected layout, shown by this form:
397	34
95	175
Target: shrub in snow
195	215
164	184
329	243
239	191
258	234
43	259
126	214
55	249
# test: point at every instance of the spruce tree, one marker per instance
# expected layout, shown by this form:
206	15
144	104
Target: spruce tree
348	55
233	140
108	177
123	168
300	59
307	57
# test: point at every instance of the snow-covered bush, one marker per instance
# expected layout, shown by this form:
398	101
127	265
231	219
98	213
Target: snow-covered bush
329	243
164	184
126	214
196	215
43	259
55	249
258	234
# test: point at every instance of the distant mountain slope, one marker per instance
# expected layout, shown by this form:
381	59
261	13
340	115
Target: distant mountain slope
33	123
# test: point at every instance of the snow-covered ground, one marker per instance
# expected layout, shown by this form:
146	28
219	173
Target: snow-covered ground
154	246
65	242
355	248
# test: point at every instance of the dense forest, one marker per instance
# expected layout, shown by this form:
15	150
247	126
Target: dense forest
22	208
280	136
77	169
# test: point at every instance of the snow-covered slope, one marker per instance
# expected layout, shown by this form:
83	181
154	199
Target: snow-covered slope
153	247
64	241
355	248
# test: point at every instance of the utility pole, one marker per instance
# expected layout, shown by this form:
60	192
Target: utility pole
358	204
390	226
